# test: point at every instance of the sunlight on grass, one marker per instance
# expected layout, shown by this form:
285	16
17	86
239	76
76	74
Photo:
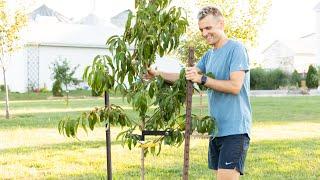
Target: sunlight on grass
271	159
285	144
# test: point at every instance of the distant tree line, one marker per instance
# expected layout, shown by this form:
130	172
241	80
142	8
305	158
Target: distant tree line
274	79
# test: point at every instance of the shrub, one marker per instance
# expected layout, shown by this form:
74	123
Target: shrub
312	80
2	88
295	79
257	76
44	90
268	79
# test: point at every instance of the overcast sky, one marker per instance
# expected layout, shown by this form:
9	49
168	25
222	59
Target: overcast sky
288	19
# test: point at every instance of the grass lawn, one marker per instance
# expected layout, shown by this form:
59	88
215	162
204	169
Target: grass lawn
43	95
73	94
285	144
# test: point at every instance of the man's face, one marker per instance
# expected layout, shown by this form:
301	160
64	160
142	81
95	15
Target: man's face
211	28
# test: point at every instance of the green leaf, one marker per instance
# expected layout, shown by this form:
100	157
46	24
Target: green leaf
129	143
61	126
153	149
161	51
151	90
92	121
83	120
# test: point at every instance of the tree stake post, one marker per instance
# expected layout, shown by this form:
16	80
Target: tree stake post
108	140
188	120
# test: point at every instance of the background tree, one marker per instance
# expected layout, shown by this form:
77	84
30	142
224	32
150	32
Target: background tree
11	23
312	79
63	74
242	22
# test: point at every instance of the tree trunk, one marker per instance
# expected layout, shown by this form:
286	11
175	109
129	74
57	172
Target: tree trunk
67	91
201	106
142	155
7	93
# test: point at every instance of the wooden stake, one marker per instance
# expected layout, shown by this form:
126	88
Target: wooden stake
188	120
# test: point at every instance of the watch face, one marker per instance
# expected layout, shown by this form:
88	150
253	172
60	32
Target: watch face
203	80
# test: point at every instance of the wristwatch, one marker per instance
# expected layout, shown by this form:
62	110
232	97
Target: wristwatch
203	80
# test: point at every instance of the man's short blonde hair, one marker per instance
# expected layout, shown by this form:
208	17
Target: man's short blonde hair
207	11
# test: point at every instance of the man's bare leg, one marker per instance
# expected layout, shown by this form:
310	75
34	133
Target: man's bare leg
228	174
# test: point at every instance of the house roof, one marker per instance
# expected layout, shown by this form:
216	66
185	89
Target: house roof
120	19
303	45
75	35
92	19
47	12
278	49
50	28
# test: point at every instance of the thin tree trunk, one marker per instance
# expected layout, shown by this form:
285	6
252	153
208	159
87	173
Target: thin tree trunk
108	140
67	91
201	106
142	155
7	93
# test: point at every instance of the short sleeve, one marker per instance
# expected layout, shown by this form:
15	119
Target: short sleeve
202	63
239	60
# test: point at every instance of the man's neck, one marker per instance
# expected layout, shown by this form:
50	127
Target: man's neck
220	43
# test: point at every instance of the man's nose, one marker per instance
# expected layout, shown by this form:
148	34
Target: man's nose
204	33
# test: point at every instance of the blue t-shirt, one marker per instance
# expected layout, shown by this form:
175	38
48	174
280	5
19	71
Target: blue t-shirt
232	113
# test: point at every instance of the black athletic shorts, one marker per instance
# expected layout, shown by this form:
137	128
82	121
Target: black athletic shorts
228	152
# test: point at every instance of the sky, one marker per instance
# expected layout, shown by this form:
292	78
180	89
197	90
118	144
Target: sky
287	19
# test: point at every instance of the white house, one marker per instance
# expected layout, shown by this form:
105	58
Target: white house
51	35
295	54
290	55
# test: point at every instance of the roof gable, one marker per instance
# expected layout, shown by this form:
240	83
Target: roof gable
46	11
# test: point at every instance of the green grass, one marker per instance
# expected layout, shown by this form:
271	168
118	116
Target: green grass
266	110
284	109
43	95
57	157
79	94
290	159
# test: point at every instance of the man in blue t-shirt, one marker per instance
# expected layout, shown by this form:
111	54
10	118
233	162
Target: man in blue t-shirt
228	95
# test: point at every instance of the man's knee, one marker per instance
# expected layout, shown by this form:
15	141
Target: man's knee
228	174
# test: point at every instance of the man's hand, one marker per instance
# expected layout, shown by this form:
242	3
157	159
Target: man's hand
151	73
193	75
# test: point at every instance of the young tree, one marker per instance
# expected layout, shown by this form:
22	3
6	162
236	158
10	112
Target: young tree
63	74
153	29
11	23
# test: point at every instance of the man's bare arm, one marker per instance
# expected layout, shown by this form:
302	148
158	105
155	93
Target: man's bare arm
170	77
232	86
